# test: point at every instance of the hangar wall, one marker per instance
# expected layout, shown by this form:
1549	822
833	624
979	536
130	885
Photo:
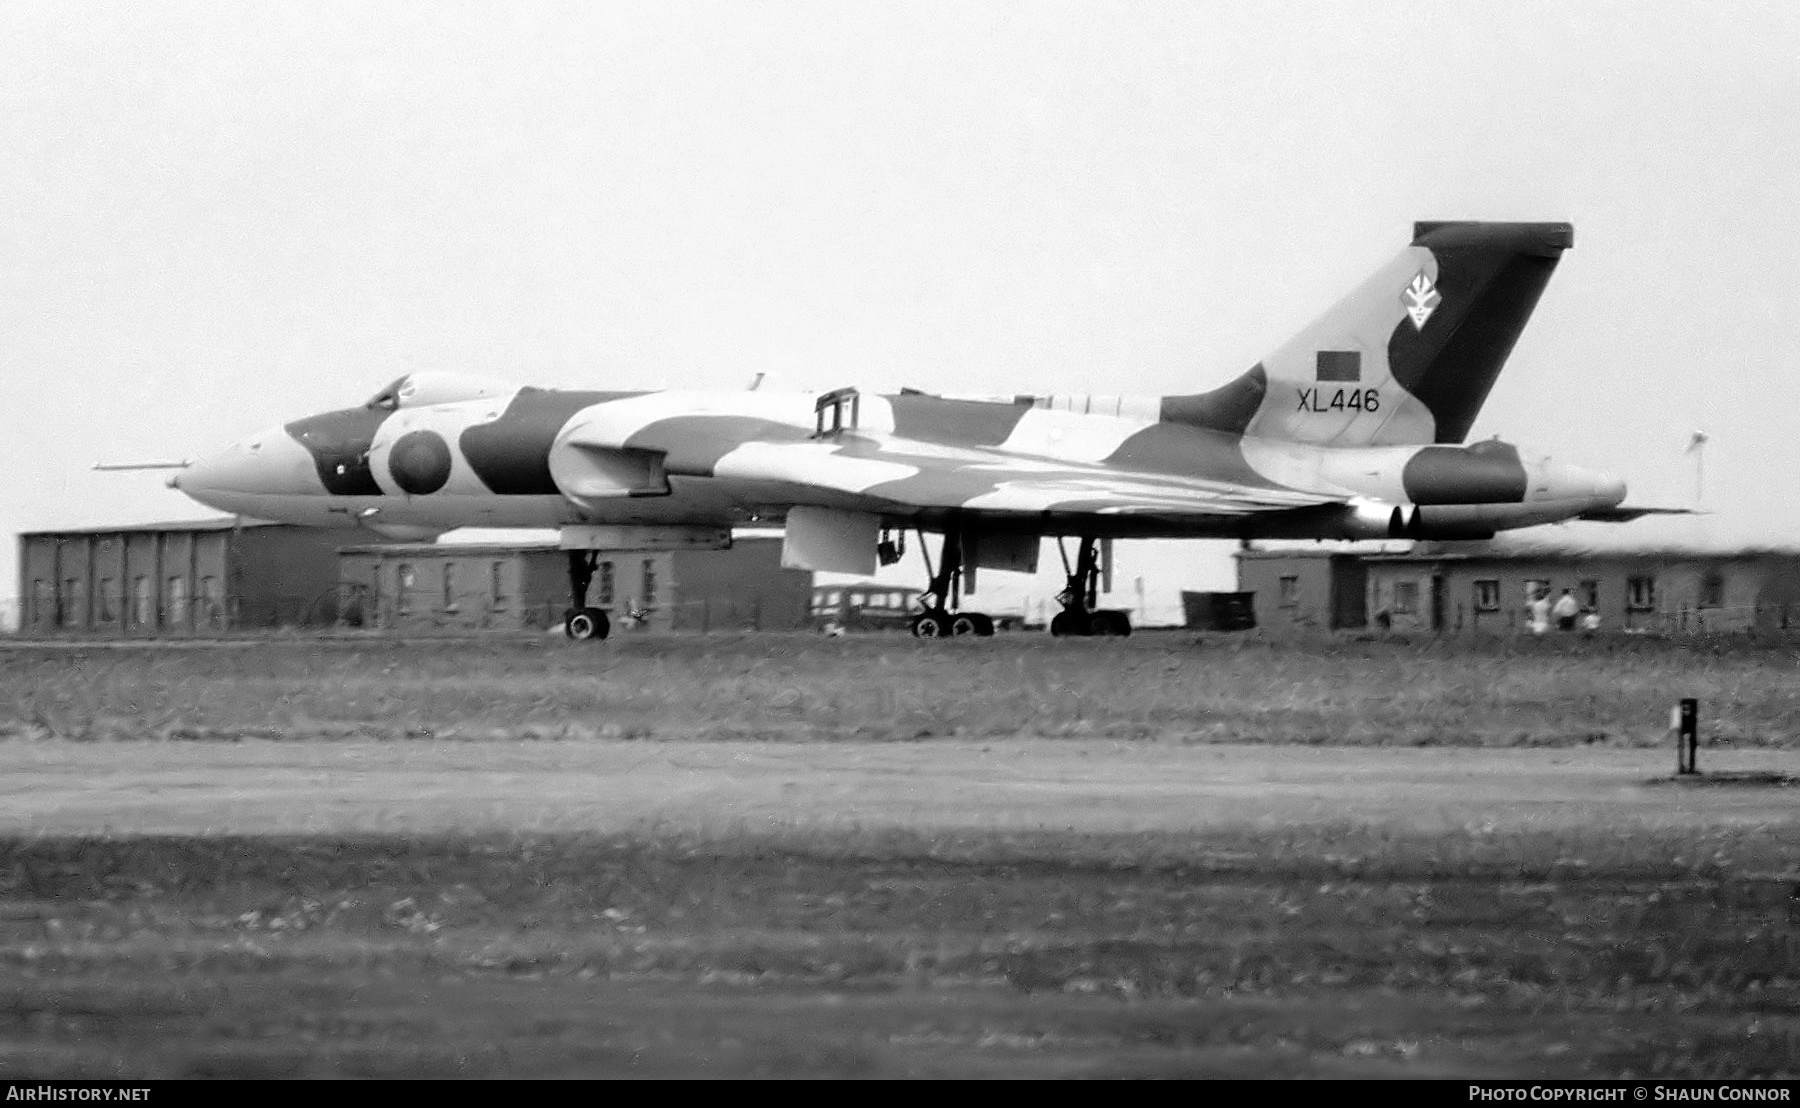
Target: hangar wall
1458	589
191	576
431	586
1664	592
1304	589
513	586
747	588
209	576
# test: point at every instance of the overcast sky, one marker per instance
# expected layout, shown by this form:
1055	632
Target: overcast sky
216	217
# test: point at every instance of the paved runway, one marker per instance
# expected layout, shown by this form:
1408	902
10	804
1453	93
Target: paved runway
436	786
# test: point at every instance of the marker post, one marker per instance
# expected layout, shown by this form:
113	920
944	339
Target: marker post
1684	720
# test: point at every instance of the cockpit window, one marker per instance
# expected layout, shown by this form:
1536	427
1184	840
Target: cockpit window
388	398
418	389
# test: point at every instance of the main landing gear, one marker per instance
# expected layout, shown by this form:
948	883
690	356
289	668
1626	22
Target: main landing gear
1079	615
943	596
582	622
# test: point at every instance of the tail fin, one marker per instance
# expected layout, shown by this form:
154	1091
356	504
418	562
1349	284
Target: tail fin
1409	356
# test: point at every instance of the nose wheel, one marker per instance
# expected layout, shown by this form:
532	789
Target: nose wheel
582	623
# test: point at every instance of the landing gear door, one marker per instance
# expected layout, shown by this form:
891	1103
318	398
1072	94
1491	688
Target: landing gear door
830	540
989	550
1010	552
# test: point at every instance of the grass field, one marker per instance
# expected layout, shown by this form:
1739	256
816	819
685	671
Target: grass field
1168	686
1347	952
872	857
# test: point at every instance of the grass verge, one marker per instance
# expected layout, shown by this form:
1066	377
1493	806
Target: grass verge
1171	686
1325	951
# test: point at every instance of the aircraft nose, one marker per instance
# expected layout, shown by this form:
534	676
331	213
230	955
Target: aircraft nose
1609	488
269	463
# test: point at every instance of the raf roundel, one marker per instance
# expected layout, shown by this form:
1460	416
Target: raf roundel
420	462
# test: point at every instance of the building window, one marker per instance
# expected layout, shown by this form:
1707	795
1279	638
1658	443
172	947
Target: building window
1288	590
106	595
449	587
1588	592
649	583
1487	596
1640	594
1534	588
212	602
1406	597
405	579
66	604
143	597
606	584
497	584
1712	590
176	599
41	602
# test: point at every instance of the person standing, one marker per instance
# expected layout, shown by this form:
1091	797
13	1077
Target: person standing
1566	611
1540	611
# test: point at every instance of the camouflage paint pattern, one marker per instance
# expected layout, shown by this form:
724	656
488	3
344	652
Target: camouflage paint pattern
1345	430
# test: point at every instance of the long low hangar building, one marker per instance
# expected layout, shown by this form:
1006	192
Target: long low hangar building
208	576
1486	588
514	586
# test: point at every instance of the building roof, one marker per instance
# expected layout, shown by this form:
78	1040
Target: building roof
450	549
222	523
1526	550
1690	536
1562	542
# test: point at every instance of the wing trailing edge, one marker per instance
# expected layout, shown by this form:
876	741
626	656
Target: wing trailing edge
1625	513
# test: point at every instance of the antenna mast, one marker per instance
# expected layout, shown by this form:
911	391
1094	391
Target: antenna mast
1697	447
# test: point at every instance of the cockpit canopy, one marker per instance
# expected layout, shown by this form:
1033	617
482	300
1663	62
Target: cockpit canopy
418	389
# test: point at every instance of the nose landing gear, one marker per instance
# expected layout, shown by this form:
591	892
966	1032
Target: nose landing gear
581	622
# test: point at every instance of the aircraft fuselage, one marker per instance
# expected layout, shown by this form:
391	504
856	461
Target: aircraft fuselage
538	458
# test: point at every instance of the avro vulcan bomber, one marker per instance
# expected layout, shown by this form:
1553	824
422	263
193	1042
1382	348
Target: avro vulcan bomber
1351	429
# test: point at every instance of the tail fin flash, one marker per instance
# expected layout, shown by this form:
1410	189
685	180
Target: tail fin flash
1410	355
